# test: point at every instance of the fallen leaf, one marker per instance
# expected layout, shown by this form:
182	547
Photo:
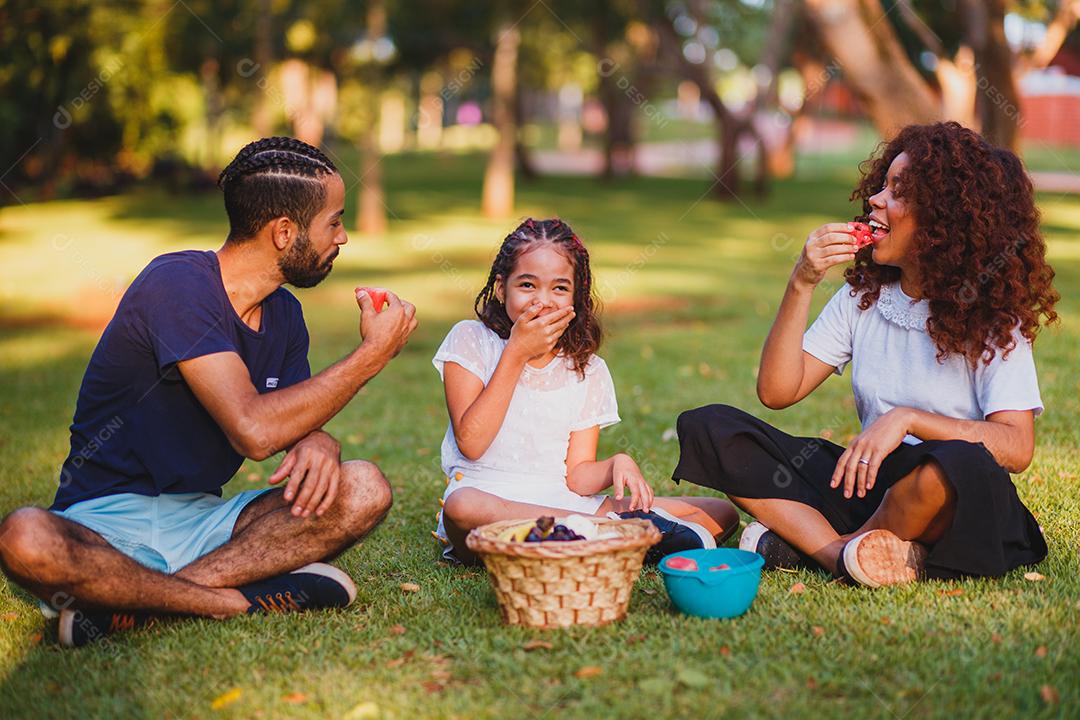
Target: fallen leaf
431	686
996	639
818	631
886	620
725	651
537	645
588	671
1049	695
693	678
397	629
797	588
633	639
410	587
1040	652
655	686
951	593
996	677
296	697
226	698
1034	577
363	711
811	683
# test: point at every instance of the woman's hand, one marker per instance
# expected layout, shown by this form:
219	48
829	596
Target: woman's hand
535	335
831	244
872	445
625	475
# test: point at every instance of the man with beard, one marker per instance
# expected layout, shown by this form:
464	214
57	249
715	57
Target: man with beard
205	364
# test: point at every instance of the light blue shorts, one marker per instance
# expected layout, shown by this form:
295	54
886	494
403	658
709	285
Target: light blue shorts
166	532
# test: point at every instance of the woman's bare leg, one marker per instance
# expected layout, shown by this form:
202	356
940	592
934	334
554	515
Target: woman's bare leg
920	506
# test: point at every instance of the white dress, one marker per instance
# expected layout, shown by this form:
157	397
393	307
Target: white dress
526	462
894	362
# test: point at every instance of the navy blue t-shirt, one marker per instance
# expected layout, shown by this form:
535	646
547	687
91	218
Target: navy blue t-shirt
138	428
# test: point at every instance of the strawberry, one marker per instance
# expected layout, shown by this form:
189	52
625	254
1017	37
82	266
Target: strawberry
377	295
722	566
863	234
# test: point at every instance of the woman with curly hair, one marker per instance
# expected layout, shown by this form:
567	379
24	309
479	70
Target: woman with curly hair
937	320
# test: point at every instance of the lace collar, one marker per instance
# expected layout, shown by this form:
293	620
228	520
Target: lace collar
896	307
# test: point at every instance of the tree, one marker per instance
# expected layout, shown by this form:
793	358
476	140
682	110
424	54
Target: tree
975	71
498	192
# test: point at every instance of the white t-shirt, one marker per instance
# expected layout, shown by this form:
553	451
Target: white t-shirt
548	404
894	362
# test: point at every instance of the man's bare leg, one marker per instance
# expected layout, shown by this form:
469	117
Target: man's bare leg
268	540
53	557
67	564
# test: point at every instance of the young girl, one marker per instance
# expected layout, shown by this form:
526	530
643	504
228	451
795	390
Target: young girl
527	396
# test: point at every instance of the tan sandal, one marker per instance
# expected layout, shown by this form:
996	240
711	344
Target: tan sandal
878	558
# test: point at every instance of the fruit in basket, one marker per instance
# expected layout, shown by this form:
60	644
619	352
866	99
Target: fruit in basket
681	562
516	533
582	525
543	530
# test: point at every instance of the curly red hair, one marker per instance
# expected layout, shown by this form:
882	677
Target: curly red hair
980	256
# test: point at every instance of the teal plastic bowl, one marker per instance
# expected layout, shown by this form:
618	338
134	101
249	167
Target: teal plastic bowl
714	593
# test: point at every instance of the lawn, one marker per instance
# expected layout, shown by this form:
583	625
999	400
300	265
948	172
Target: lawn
690	288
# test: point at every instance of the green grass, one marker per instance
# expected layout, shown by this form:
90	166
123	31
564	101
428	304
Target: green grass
691	290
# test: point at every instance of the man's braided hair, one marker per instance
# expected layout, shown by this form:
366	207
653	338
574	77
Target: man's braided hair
272	178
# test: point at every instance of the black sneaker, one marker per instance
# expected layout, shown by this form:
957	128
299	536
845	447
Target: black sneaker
81	627
312	587
776	551
676	534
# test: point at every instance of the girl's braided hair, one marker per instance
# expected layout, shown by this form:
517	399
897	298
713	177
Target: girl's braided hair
583	335
271	178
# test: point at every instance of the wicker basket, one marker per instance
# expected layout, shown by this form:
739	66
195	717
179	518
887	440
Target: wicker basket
559	584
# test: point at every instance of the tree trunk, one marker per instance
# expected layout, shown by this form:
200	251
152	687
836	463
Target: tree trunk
260	117
371	208
498	192
778	156
522	156
1059	28
875	66
997	102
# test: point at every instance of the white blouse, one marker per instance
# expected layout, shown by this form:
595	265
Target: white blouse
548	404
894	362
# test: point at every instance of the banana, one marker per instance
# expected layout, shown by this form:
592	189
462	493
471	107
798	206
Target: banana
515	533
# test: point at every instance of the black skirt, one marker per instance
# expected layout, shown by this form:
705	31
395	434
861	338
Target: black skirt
724	448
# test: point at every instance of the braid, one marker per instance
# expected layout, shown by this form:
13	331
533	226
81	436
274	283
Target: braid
271	178
582	338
